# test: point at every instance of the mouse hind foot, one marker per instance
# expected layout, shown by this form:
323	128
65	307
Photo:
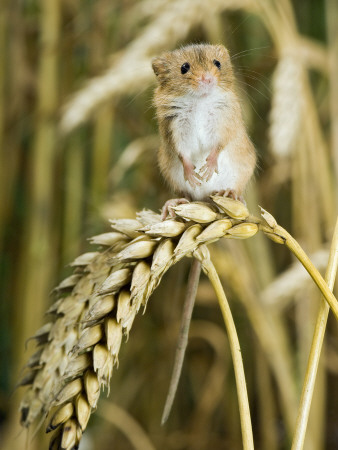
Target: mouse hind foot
231	193
167	210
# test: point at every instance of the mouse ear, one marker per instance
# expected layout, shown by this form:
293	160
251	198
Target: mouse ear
159	65
222	50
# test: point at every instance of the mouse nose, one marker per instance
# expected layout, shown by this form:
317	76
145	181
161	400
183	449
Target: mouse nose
207	78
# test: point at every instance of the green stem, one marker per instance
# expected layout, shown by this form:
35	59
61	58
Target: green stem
316	347
243	401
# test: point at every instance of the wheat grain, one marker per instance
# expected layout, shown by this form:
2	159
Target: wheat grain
167	228
198	212
233	208
61	415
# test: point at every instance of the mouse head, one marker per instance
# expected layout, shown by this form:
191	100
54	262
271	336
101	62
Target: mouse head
195	69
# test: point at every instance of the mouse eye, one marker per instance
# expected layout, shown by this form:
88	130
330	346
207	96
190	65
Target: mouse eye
185	68
217	63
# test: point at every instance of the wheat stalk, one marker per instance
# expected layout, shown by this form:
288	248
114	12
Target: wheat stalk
315	351
235	348
96	306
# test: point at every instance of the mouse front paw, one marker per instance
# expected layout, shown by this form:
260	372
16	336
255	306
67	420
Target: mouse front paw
190	175
194	179
210	167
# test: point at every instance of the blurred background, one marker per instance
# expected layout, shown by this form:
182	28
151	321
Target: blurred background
78	141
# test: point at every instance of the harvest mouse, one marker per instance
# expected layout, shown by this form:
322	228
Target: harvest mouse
204	147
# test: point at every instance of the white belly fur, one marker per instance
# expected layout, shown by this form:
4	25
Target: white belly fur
195	133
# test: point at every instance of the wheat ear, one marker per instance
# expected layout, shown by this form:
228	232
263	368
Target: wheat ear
96	306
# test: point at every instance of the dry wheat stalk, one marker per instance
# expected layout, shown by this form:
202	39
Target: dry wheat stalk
96	306
315	350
